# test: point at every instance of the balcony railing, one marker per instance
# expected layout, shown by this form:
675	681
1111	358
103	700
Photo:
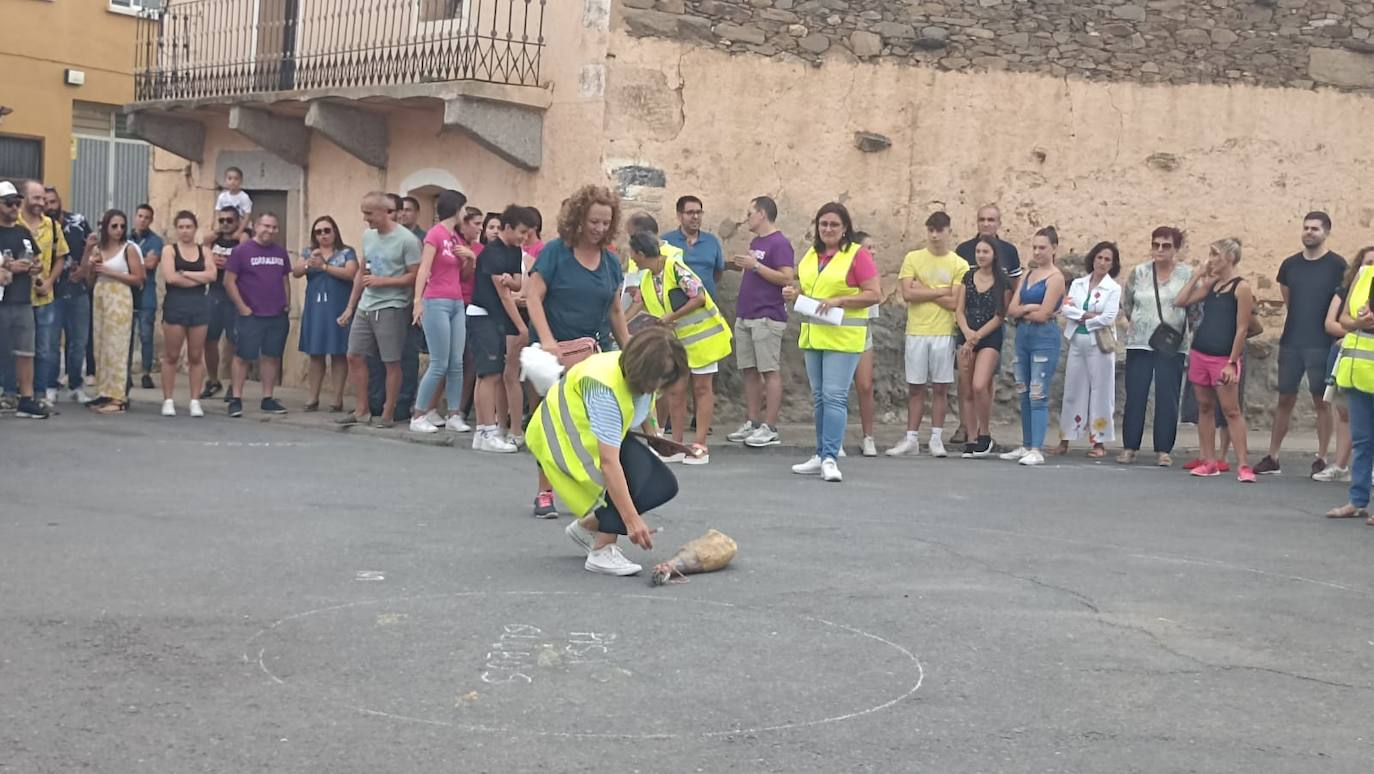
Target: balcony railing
194	49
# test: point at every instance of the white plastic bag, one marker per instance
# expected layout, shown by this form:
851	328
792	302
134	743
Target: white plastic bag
539	368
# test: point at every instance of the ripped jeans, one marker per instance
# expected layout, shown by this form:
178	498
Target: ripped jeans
1037	354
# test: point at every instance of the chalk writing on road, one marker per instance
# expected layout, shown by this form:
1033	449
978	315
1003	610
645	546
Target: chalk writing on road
522	648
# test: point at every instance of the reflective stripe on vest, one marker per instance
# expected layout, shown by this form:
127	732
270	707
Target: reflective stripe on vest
832	282
1355	365
704	332
561	439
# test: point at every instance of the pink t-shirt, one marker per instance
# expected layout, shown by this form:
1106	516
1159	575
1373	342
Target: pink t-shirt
445	274
863	268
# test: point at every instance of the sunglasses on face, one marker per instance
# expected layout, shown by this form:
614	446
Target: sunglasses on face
116	226
322	231
225	221
10	202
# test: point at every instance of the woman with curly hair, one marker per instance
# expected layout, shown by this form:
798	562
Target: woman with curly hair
573	291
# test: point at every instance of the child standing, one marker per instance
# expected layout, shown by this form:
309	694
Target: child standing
493	320
234	196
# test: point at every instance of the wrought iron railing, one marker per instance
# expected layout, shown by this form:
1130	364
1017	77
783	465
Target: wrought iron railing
214	48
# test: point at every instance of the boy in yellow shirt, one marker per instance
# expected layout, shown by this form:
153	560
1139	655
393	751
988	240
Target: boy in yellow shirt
928	279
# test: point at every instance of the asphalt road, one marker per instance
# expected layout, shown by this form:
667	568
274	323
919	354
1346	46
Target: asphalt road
239	596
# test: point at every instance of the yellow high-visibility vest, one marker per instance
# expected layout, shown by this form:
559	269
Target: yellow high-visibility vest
850	334
1355	367
704	333
560	435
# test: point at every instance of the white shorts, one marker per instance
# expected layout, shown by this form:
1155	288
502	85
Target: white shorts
707	369
929	359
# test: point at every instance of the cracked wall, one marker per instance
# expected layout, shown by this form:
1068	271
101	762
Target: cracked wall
1098	159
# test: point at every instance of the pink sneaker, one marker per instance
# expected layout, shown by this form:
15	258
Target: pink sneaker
1246	475
1207	469
1223	466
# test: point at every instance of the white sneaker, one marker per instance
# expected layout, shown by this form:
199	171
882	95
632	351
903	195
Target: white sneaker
843	453
937	447
704	459
51	395
1333	473
433	417
745	430
1032	457
515	440
811	467
830	471
1014	454
454	423
909	446
583	537
870	448
609	561
762	436
79	395
493	442
196	410
169	409
422	425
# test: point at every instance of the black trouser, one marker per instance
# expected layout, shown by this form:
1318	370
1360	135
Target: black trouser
410	377
1166	371
650	481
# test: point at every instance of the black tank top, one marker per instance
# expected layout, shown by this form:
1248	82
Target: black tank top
1216	335
181	264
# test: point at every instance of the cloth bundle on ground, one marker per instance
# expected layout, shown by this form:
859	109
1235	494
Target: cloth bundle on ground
708	553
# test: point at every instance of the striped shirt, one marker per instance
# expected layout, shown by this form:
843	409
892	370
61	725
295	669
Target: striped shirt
603	411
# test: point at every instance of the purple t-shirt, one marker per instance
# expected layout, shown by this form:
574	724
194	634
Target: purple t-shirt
258	270
757	296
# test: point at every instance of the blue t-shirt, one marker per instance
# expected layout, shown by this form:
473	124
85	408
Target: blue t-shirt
706	257
148	242
577	301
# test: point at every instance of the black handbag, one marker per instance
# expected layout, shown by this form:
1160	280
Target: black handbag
1166	338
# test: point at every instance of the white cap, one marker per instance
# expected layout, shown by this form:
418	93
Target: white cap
7	190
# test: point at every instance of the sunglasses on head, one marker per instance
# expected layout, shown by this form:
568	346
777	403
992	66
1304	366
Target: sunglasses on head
321	231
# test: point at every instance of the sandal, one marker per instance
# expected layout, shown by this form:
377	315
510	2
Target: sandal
336	408
1347	511
1163	460
111	407
1098	451
313	405
1126	457
1061	449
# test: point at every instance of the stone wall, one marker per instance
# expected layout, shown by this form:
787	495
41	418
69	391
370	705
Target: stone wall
1295	43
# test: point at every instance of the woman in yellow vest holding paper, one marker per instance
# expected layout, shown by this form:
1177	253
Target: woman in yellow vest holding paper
674	294
839	281
578	437
1355	376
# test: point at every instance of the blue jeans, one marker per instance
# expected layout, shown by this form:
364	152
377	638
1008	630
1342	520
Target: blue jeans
75	314
1037	354
446	332
47	338
145	320
1361	407
831	374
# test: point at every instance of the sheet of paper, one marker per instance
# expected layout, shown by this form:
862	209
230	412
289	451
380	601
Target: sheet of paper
810	307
